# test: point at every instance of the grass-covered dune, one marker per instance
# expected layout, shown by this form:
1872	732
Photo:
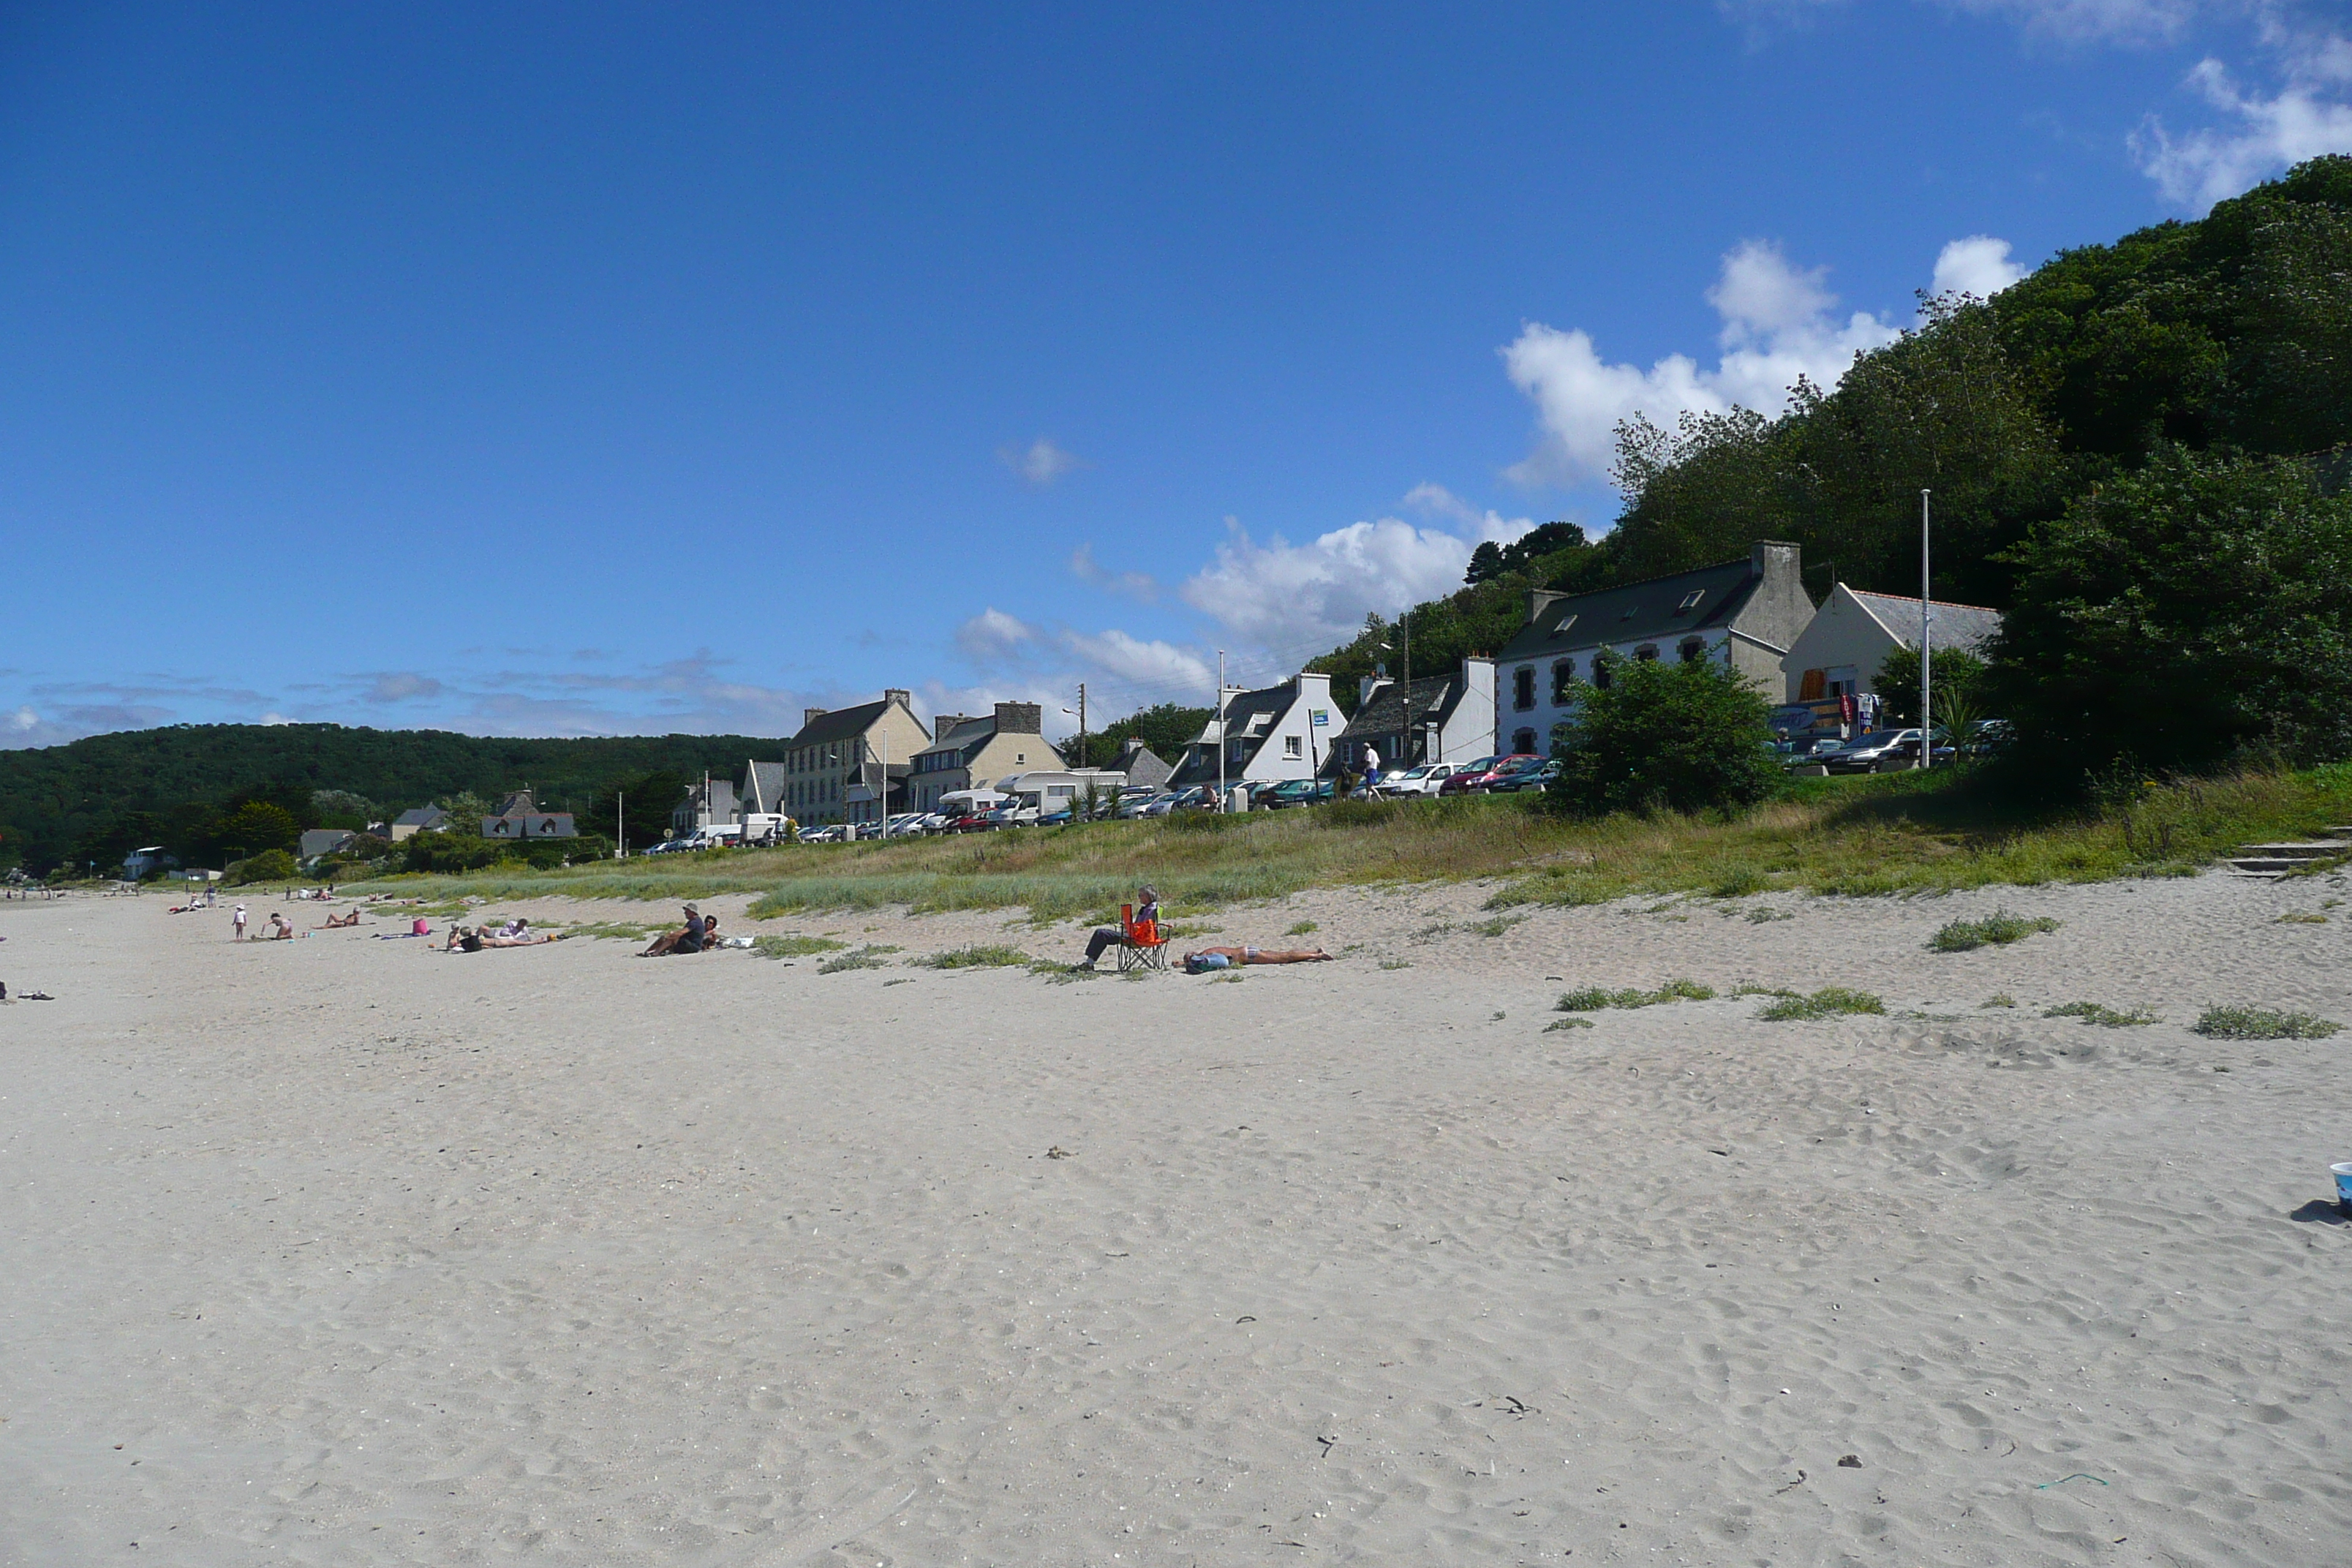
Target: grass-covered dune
1897	833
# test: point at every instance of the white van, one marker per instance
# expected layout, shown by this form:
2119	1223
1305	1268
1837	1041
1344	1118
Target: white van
718	835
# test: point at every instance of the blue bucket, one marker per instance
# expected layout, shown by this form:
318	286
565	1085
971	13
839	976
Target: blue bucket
2342	1175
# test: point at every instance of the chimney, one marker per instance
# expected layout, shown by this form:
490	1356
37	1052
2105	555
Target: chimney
903	698
1020	719
1774	559
943	722
809	716
1132	744
1538	601
1368	684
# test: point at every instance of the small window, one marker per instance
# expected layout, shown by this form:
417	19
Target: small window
1601	679
1294	746
1693	651
1647	653
1523	686
1563	677
1690	602
1523	743
1020	757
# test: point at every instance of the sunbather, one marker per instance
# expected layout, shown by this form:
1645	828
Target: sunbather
1209	958
337	923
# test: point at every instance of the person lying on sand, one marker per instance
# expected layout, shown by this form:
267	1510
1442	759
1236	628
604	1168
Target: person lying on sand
542	940
518	926
1209	958
337	923
699	934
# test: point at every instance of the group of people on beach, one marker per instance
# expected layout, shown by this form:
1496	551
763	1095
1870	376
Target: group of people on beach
1142	929
699	934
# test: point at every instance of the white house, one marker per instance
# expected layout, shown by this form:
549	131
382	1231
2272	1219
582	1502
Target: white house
1447	717
1746	614
1277	732
1841	653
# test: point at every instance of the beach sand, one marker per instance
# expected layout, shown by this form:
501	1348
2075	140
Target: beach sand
343	1251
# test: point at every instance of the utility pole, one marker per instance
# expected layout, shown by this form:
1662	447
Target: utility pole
1082	723
621	823
1404	693
1926	648
1221	729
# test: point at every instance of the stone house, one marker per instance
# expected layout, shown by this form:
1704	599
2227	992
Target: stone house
966	751
1447	717
850	764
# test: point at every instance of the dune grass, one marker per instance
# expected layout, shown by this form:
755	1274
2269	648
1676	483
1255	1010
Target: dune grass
1997	928
977	956
1894	833
1828	1002
2104	1017
1593	998
2264	1023
793	946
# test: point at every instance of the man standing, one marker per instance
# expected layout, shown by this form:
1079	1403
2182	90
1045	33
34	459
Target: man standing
238	924
1371	768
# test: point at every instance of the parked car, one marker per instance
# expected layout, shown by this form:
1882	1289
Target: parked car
1476	780
671	847
1537	773
1298	792
1905	754
1459	779
1873	752
1424	779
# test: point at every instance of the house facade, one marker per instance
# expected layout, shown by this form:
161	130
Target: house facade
966	751
1277	732
423	819
1444	718
1140	769
849	764
1842	652
1745	613
708	803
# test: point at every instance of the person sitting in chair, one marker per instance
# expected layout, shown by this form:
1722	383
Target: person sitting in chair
1147	926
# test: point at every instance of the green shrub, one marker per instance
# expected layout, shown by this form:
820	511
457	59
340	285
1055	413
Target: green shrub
794	946
2104	1017
1830	1002
976	956
2264	1024
269	866
1998	928
1665	737
1593	998
868	957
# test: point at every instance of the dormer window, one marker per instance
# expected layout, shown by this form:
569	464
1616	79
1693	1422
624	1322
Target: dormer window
1690	601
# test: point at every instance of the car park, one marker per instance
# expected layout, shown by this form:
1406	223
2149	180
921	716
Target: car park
1459	780
1516	780
1298	792
1873	752
1422	779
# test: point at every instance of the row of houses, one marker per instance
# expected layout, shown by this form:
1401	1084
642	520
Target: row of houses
1753	615
859	763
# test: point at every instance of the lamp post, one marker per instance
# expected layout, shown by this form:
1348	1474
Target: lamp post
1926	648
1221	729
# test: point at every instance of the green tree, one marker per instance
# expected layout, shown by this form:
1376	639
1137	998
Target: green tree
2181	613
1956	671
648	798
1665	737
258	825
269	866
1166	728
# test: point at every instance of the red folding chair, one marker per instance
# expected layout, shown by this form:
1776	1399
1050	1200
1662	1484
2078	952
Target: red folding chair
1139	946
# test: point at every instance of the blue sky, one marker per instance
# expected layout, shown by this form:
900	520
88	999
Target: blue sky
596	369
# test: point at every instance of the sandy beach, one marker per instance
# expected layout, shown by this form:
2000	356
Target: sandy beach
343	1251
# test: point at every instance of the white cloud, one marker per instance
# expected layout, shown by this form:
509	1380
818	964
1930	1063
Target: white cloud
2300	121
993	634
1040	463
1290	597
1979	264
1140	584
401	687
2090	21
1776	327
1162	671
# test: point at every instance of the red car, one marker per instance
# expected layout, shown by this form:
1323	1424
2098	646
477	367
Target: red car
1474	777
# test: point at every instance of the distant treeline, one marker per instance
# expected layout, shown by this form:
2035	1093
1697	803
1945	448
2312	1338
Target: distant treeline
185	788
2138	451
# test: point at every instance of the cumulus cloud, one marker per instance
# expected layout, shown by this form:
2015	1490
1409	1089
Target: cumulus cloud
1979	264
1150	667
401	687
1040	463
993	634
2305	119
1139	585
1778	326
2090	21
1282	595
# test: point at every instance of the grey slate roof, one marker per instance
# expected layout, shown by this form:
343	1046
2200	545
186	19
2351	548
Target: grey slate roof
1636	612
841	724
763	786
969	735
1433	696
1964	626
1249	716
421	816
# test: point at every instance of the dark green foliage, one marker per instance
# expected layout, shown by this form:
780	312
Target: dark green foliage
1166	728
1491	560
173	786
1998	929
1666	736
257	826
2264	1023
648	800
269	866
2180	613
1956	671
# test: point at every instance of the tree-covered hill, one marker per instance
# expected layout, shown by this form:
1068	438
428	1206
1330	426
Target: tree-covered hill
2224	344
80	802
